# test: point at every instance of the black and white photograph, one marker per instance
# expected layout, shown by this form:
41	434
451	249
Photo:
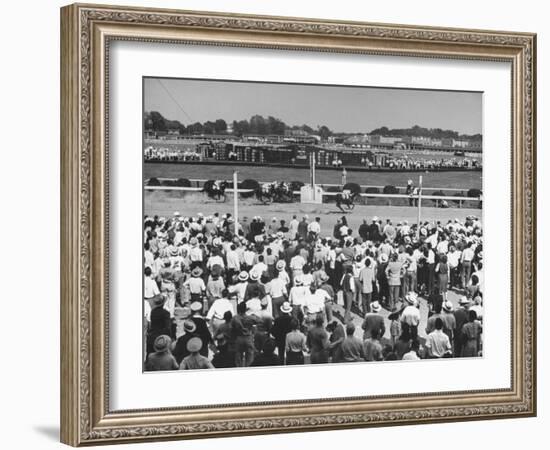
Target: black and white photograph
296	224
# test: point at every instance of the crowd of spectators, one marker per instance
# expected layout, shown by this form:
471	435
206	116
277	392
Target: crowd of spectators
267	293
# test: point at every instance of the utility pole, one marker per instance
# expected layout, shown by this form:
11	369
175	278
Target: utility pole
419	200
236	202
312	172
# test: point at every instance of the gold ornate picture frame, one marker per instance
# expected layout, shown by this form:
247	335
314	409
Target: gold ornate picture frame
86	33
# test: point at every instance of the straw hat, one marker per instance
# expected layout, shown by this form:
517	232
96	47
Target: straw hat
194	345
162	343
196	306
196	272
448	306
280	265
254	276
286	308
464	300
375	306
159	300
243	276
189	326
411	297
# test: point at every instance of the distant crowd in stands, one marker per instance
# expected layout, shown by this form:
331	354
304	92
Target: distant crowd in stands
427	164
170	154
268	293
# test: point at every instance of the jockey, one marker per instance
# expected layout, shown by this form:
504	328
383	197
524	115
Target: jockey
216	185
346	194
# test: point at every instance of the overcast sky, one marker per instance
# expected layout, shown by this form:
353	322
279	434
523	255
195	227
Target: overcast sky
342	109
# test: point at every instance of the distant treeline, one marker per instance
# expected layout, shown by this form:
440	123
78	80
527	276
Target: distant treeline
155	121
259	125
417	131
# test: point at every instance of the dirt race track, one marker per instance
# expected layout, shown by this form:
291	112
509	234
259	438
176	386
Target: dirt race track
164	203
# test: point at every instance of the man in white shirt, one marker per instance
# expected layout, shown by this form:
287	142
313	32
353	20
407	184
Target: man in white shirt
196	285
150	290
248	258
366	278
233	262
239	289
148	256
150	286
293	227
195	253
433	239
437	342
298	294
315	303
215	260
260	267
405	228
297	264
314	228
443	246
277	290
217	310
466	261
411	314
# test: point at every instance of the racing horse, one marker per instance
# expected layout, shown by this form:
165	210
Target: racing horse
266	192
274	192
215	189
346	198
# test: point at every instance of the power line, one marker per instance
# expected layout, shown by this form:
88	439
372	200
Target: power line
175	101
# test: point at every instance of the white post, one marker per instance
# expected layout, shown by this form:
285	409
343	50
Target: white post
312	173
419	205
236	202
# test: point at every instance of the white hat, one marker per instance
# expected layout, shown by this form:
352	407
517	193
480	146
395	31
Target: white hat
254	276
243	276
196	306
448	306
411	297
298	281
176	213
464	300
383	258
375	219
286	308
375	306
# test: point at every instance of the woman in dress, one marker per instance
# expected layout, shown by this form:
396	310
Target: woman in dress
471	333
442	272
